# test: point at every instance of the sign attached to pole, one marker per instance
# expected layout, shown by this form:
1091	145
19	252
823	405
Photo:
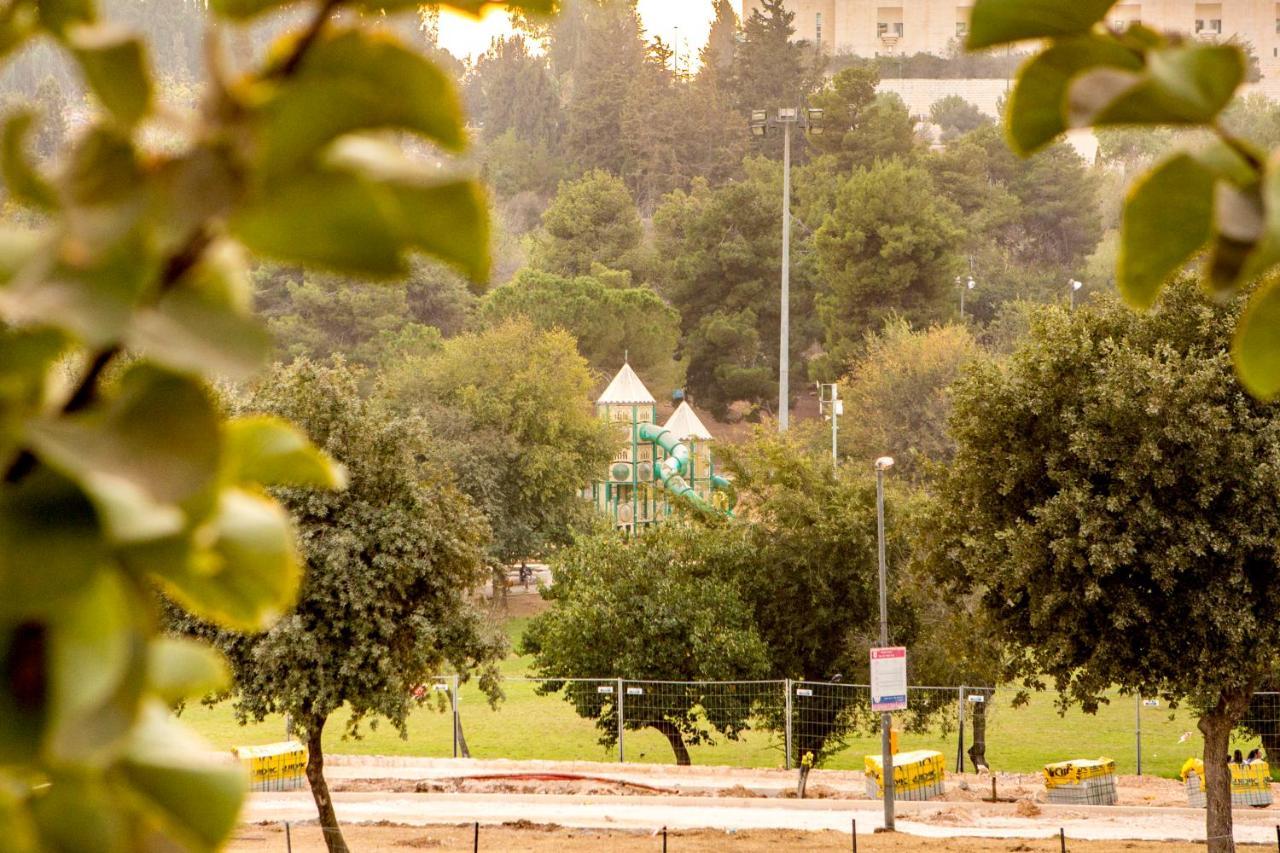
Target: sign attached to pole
889	679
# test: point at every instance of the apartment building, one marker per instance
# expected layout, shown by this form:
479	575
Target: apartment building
904	27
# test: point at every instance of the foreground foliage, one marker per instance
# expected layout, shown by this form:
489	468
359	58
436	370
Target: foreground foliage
125	480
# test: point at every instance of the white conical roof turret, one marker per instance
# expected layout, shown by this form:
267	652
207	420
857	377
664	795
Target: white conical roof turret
685	424
626	389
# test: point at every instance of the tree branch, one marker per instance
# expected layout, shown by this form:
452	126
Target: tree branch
290	65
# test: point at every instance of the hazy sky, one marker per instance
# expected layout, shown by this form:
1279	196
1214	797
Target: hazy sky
464	36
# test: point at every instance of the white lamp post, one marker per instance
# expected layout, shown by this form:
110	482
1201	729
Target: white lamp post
1075	285
884	463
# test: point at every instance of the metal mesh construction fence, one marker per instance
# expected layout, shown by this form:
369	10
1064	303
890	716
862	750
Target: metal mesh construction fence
773	724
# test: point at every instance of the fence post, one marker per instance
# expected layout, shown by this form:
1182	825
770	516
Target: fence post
960	739
622	756
1137	715
456	722
786	706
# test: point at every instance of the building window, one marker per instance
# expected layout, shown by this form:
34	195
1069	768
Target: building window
1208	19
962	29
887	29
817	29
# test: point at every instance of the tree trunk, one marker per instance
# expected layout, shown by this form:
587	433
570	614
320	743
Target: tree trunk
978	749
675	739
1216	727
320	789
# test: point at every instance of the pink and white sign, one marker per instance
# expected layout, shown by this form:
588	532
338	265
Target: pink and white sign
889	679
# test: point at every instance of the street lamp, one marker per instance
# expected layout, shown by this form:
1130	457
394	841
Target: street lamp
1075	285
761	123
884	463
964	286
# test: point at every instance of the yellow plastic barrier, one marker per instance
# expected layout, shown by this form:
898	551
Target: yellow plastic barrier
274	766
1250	783
917	775
1081	781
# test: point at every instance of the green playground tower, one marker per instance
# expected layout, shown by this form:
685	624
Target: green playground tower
654	465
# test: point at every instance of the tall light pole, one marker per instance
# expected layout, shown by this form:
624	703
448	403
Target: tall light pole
884	463
964	285
761	123
1075	285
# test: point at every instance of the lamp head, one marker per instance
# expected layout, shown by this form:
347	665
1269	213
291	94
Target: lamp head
1076	285
884	463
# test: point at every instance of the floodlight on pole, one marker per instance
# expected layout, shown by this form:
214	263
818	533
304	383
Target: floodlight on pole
809	119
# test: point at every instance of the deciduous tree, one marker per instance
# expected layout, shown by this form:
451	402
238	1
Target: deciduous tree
1109	507
390	566
663	606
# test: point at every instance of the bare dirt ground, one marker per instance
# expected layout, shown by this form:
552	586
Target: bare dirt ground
630	799
545	838
425	775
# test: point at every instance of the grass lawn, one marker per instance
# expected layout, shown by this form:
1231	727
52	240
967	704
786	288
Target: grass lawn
528	726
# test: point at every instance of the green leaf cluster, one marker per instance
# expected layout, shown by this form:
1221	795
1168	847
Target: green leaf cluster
122	476
1219	201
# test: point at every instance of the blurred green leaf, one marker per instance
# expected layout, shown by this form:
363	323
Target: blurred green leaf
995	22
97	671
179	668
247	578
16	824
188	191
50	545
353	81
1183	84
159	433
197	795
115	67
353	224
245	8
1168	217
273	452
94	301
186	331
22	179
1037	111
18	22
1257	343
25	358
57	15
79	815
335	221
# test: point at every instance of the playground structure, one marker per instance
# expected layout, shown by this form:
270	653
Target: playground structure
655	465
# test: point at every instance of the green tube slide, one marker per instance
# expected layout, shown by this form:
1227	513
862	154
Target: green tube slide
671	472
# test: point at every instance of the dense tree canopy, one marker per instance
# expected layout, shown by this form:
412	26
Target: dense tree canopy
897	395
611	324
508	404
591	221
1110	504
718	252
389	563
664	607
887	245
